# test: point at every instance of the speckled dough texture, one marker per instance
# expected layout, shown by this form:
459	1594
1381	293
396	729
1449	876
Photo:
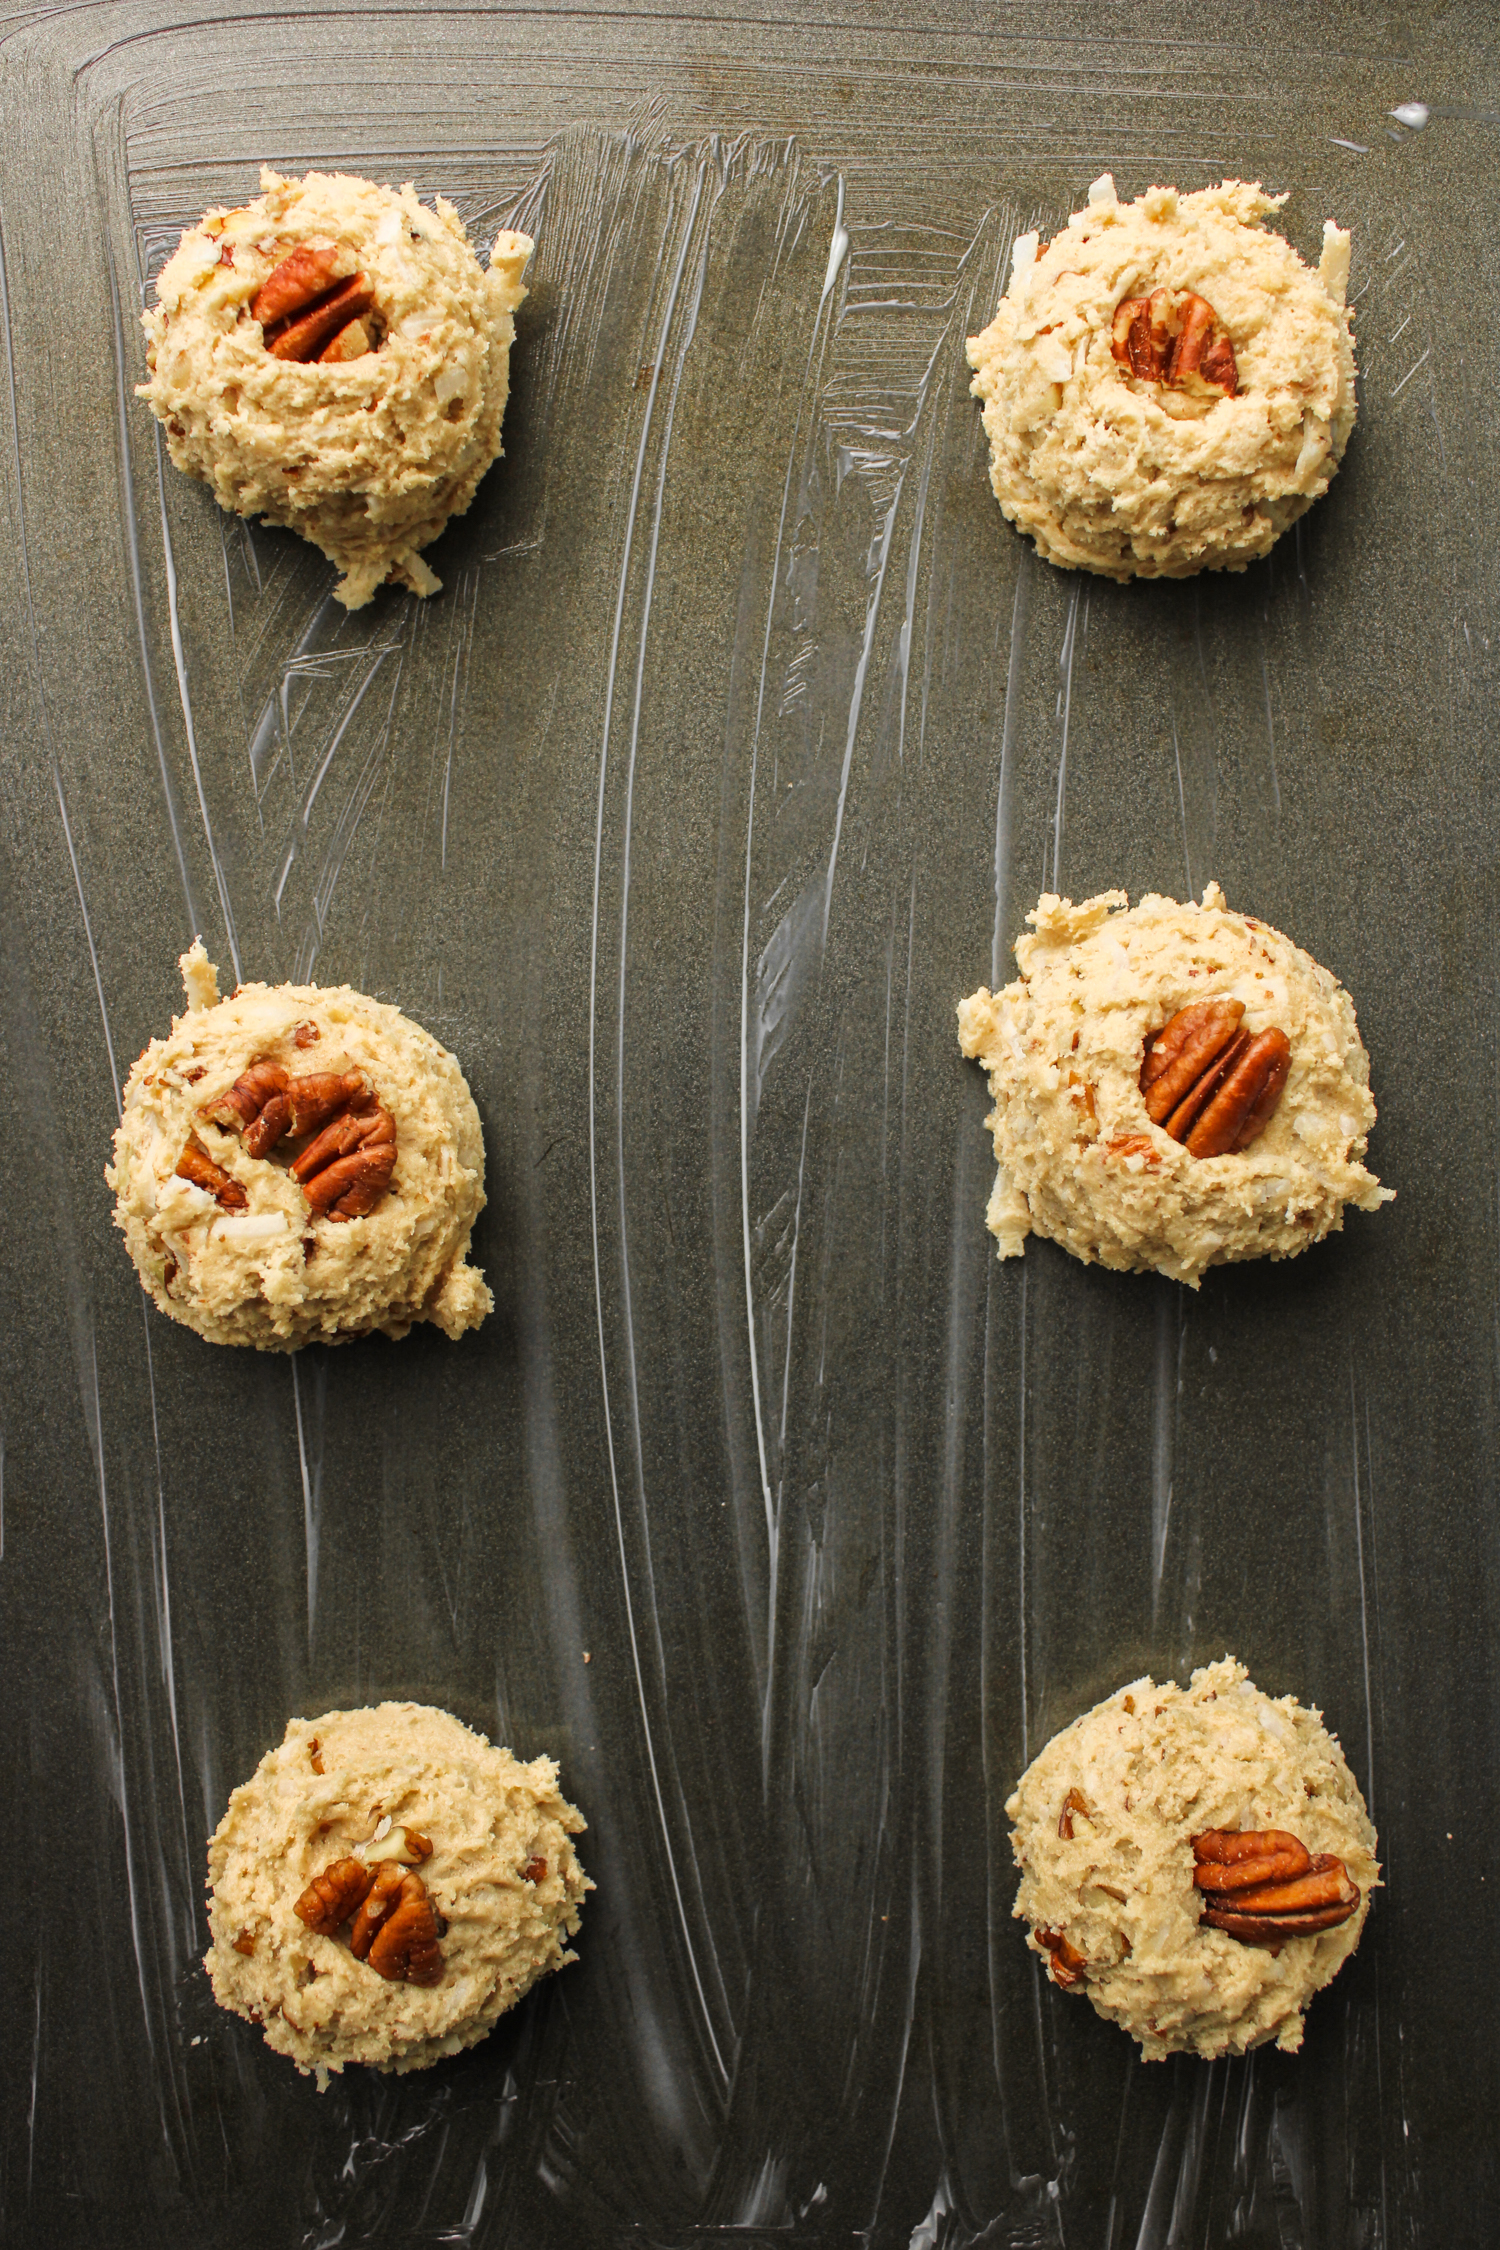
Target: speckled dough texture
1217	1754
1063	1047
488	1818
368	459
250	1278
1121	475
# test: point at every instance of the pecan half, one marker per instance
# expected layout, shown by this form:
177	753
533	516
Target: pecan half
406	1950
197	1165
1208	1083
1174	337
379	1901
1067	1964
396	1929
309	310
347	1169
330	1898
1268	1887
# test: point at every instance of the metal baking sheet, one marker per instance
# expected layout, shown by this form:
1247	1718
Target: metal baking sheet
739	741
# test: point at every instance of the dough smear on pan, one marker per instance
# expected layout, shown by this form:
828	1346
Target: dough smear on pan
398	1809
355	1219
367	453
1186	434
1158	1790
1080	1157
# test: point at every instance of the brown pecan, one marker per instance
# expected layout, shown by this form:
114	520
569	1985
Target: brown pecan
534	1869
314	1751
302	277
350	343
1067	1964
405	1949
240	1104
1174	337
244	1943
347	1169
197	1165
379	1901
1268	1887
306	1034
1075	1801
330	1898
1208	1083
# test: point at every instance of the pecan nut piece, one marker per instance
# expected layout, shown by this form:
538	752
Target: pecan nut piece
303	276
1174	337
330	1898
1067	1964
1282	1890
197	1165
1074	1802
1208	1083
346	1170
380	1900
406	1949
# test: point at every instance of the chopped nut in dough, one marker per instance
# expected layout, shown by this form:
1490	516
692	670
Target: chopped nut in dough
333	357
1166	385
348	1959
271	1205
1139	1827
1249	1146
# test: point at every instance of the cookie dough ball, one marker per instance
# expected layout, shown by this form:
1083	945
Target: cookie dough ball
334	358
385	1885
1197	1860
1166	385
1175	1087
299	1164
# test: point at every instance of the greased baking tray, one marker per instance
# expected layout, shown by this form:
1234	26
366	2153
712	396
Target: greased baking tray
734	751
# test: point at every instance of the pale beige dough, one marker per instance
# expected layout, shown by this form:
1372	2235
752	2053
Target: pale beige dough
1157	1766
488	1817
369	459
1119	475
1063	1047
248	1278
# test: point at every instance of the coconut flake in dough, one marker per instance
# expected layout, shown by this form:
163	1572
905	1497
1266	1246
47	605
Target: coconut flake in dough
1126	477
1063	1047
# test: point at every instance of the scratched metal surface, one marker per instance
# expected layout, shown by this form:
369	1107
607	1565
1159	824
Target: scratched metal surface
741	738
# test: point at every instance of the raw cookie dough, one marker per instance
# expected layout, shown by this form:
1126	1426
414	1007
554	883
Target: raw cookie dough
502	1873
1156	1767
264	1267
368	458
1129	476
1080	1160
